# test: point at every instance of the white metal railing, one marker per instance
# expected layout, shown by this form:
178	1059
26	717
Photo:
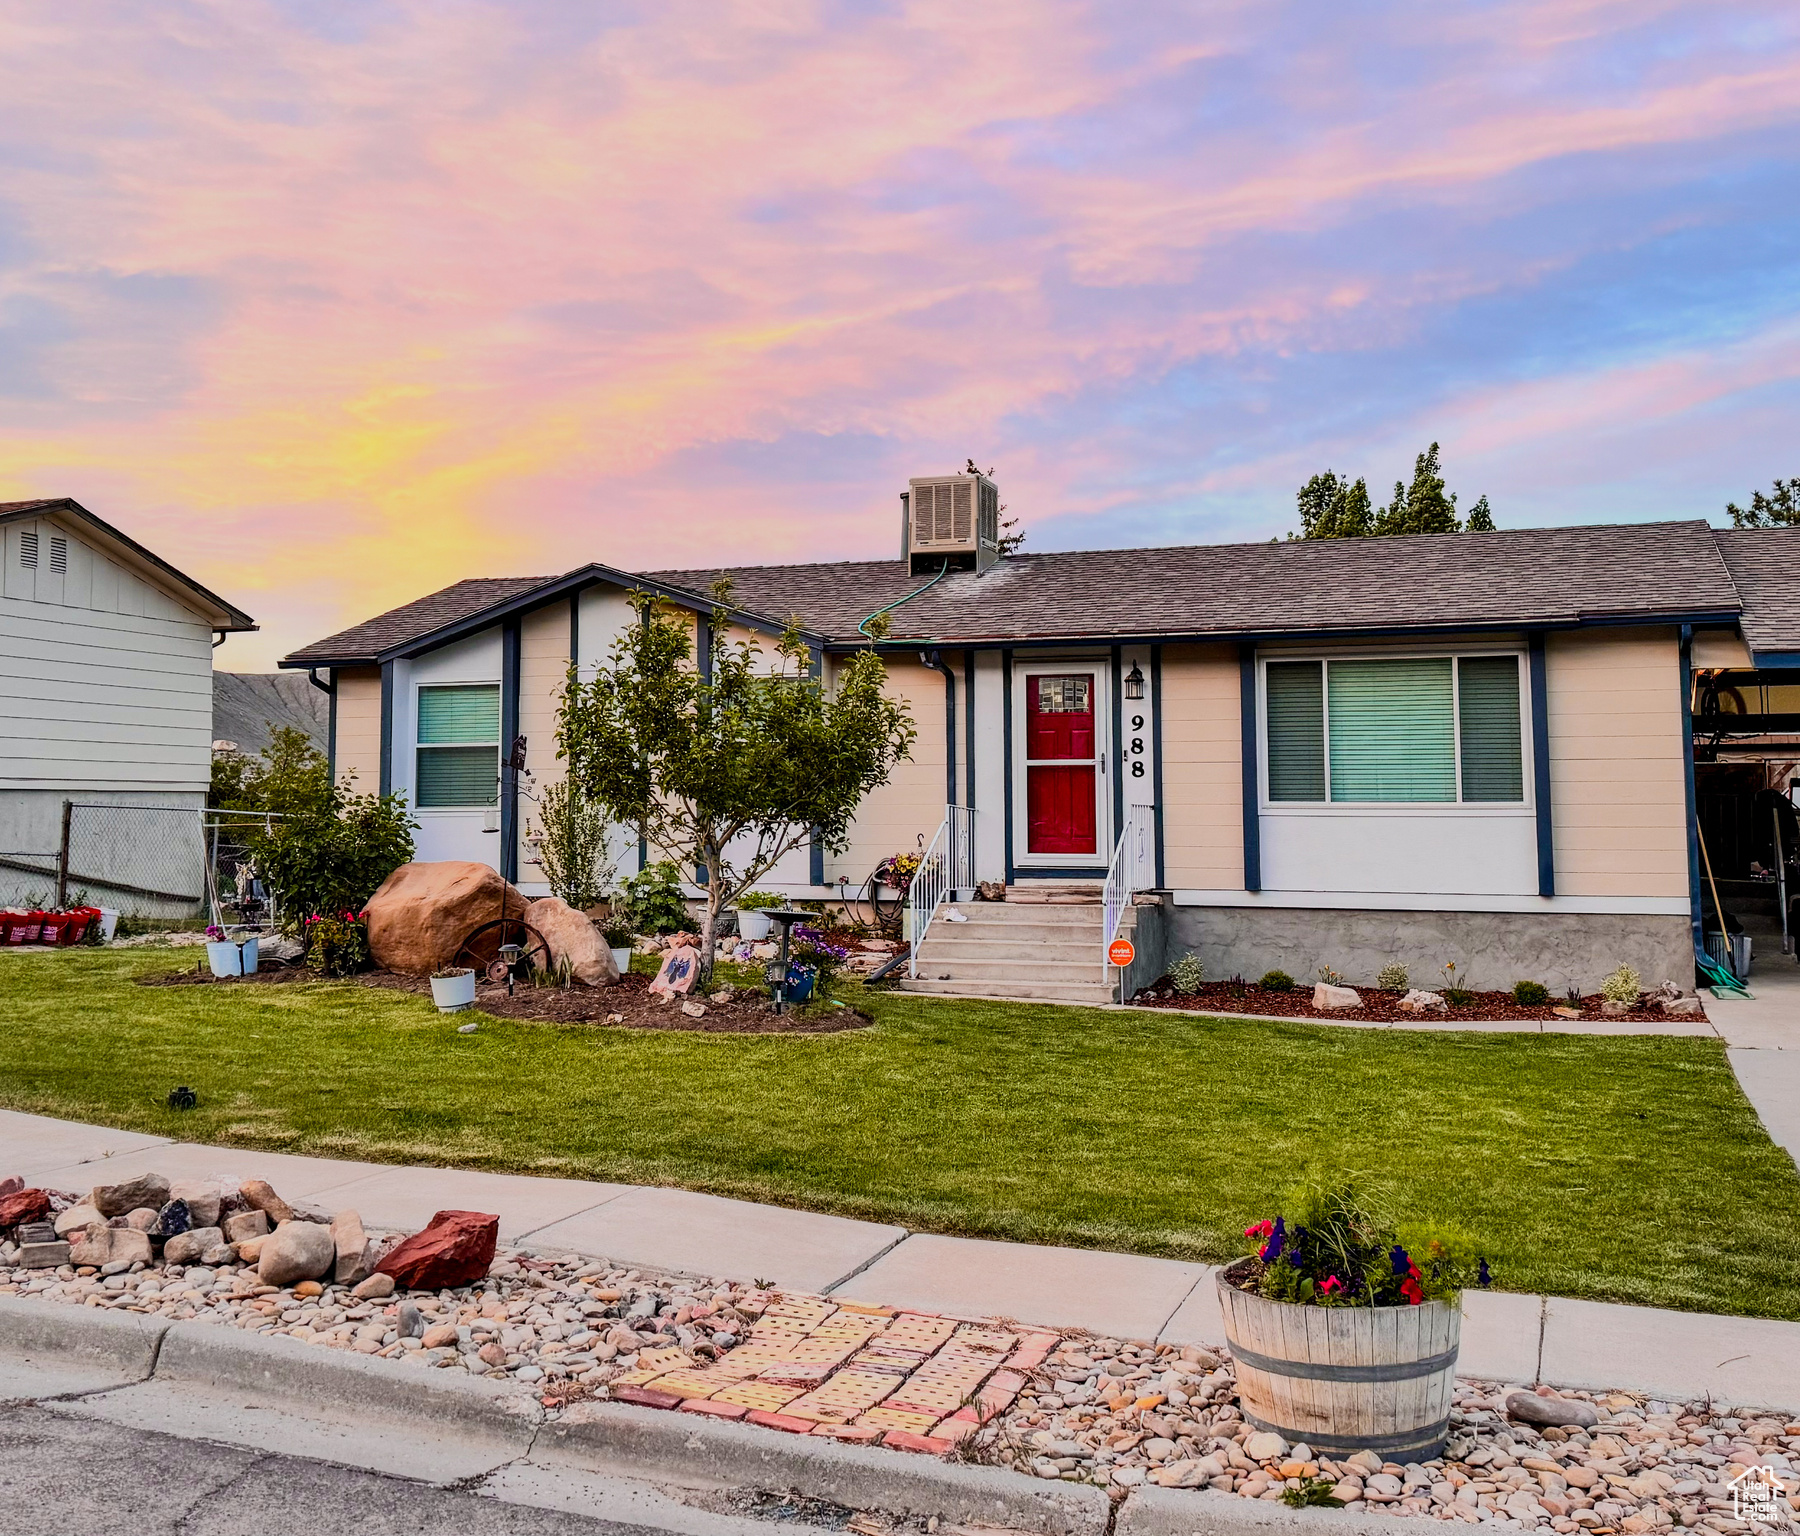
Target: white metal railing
1122	875
947	867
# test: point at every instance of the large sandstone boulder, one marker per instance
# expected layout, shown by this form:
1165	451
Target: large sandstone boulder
573	939
296	1250
423	912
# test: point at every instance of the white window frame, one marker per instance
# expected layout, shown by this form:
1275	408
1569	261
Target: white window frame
488	811
1525	807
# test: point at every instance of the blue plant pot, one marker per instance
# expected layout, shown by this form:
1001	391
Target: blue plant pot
799	986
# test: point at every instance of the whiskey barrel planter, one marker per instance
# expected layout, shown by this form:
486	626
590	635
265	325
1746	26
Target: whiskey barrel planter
1345	1379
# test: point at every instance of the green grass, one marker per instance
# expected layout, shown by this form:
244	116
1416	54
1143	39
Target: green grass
1622	1168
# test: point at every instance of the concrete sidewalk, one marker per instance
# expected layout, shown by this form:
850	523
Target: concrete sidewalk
1508	1337
1762	1040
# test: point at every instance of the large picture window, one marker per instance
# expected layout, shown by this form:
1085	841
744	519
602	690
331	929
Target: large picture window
1405	729
459	746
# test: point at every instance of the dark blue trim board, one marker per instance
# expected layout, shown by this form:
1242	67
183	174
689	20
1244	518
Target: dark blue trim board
387	728
1540	767
815	850
509	730
1687	769
1252	778
575	631
1006	753
1156	760
703	645
1776	660
969	727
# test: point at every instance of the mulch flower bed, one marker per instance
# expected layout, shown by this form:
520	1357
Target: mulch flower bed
263	975
631	1005
1378	1007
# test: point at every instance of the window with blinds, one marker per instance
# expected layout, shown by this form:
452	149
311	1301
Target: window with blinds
458	746
1414	730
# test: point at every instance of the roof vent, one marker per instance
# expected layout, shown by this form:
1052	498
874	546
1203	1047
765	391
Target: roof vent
28	547
59	554
950	518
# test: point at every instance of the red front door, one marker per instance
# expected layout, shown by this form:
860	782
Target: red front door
1060	763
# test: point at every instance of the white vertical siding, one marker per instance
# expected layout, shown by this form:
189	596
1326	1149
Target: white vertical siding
106	682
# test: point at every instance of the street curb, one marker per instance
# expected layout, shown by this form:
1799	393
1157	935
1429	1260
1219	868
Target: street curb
205	1354
1152	1511
687	1447
83	1336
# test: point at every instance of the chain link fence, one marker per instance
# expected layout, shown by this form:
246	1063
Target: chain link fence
166	862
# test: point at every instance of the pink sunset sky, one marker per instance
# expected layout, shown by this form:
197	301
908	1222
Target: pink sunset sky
333	304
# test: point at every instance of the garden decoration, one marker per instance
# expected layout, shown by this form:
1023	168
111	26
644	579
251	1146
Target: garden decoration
776	975
1370	1364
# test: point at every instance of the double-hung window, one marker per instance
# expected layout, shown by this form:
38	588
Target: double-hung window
459	746
1401	729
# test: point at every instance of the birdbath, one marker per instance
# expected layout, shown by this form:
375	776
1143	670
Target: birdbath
776	974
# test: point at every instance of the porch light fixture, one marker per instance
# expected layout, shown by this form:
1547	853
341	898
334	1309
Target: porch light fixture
1134	682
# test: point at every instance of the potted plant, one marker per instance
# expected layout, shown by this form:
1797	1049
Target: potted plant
619	940
222	954
1369	1363
894	874
453	988
813	961
753	921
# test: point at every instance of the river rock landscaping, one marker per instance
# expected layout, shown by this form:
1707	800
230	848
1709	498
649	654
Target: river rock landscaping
1057	1404
1376	1005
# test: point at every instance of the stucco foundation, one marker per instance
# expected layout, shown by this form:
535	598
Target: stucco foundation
1491	949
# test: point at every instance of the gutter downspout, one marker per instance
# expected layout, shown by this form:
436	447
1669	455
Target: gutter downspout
330	691
937	663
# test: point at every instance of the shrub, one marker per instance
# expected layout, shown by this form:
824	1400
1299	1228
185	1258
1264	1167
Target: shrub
1622	986
1277	981
617	938
653	902
337	946
1188	974
571	846
1341	1252
1392	978
1458	997
333	856
1530	994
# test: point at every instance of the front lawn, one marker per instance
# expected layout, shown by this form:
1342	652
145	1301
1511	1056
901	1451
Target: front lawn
1621	1169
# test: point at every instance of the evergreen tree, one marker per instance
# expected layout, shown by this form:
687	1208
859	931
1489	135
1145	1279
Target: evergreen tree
1424	506
1780	509
1480	520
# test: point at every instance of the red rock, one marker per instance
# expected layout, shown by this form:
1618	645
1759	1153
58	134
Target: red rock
24	1205
11	1184
455	1249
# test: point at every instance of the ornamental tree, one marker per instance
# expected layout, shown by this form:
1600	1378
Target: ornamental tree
733	763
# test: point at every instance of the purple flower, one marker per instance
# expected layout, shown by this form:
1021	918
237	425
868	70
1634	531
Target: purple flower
1484	1277
1272	1249
1398	1258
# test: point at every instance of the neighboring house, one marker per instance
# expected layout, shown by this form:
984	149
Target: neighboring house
1474	748
248	707
108	694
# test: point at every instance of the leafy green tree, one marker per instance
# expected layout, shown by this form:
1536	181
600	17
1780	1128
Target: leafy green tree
728	766
1779	509
290	775
329	858
1335	508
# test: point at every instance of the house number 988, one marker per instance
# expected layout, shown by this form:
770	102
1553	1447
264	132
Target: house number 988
1137	748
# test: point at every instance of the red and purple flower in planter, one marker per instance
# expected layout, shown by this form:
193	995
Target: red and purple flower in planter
1341	1253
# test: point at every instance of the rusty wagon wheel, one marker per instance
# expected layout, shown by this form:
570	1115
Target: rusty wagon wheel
480	950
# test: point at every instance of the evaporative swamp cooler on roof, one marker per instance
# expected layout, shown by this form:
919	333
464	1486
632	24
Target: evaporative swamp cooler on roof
953	518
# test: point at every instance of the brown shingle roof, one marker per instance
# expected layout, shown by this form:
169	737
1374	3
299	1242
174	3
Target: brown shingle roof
1436	581
1765	566
1526	576
362	644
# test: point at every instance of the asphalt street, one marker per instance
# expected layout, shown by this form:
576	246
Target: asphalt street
64	1476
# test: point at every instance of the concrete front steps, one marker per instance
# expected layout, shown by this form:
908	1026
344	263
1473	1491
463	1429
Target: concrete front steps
1046	950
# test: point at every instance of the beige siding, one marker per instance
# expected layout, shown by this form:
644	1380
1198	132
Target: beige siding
543	671
359	728
1203	823
912	801
1617	784
1720	648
